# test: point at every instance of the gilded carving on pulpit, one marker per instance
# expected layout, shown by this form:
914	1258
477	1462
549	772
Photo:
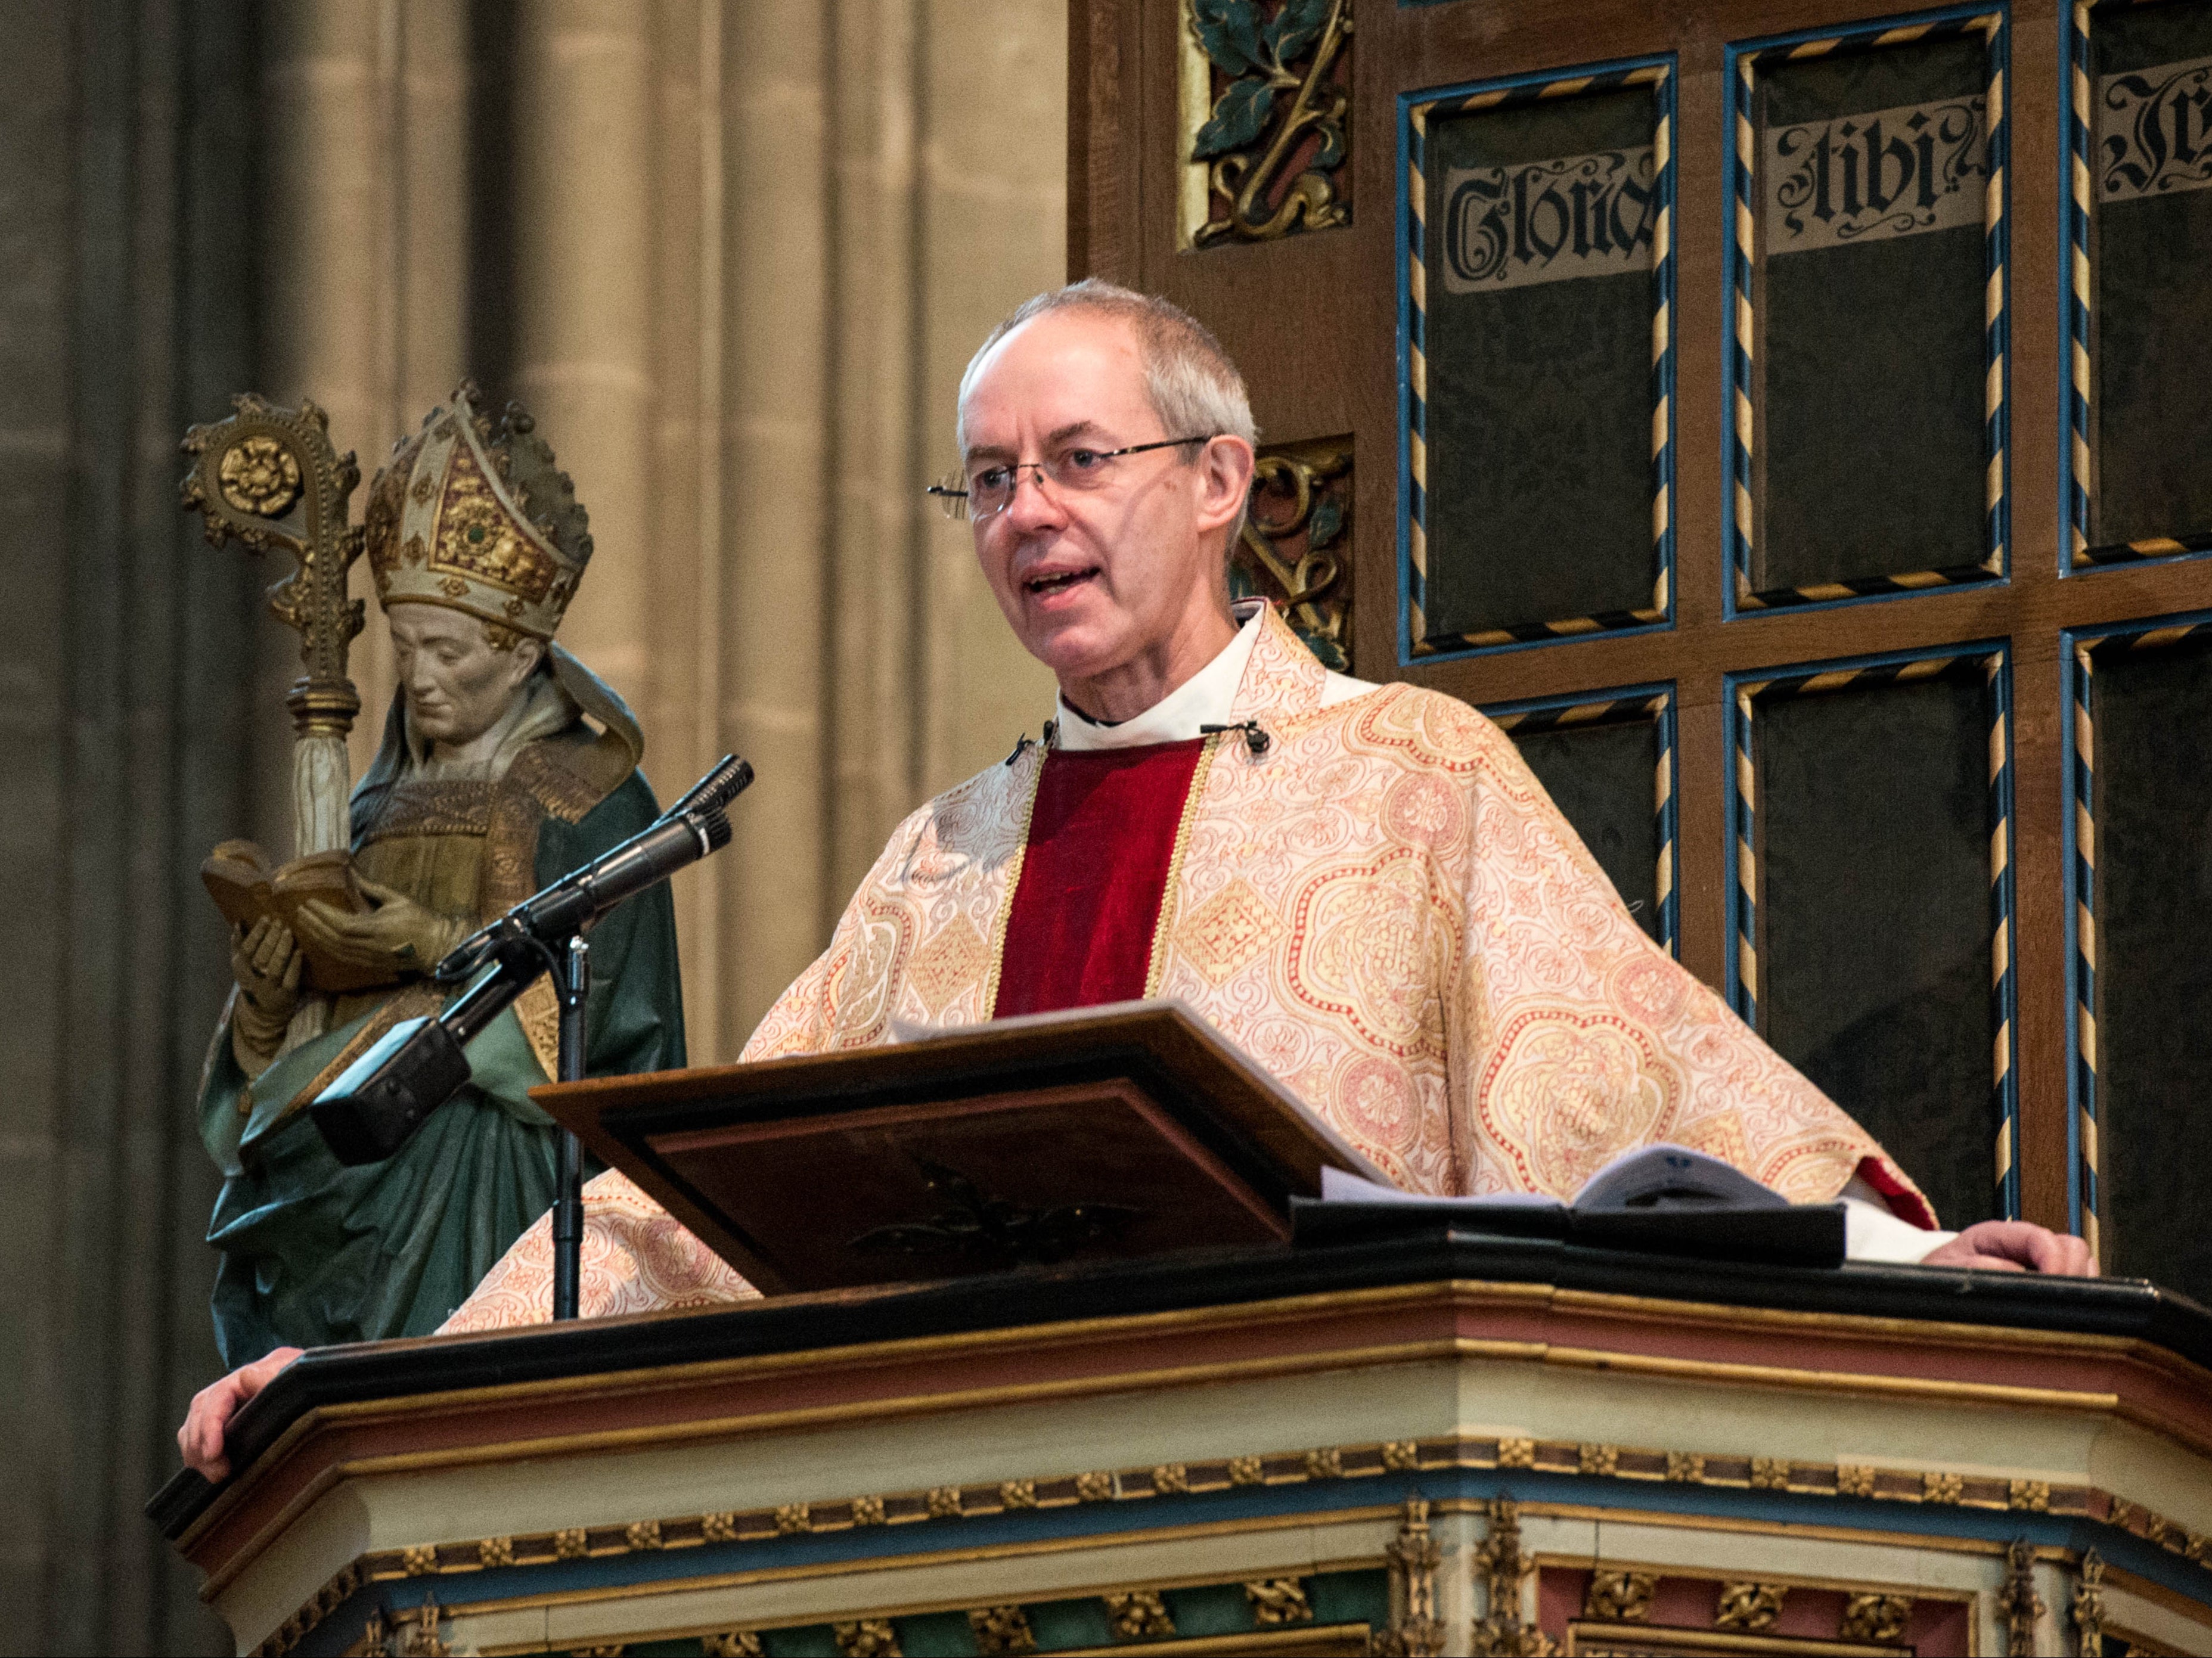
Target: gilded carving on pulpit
505	762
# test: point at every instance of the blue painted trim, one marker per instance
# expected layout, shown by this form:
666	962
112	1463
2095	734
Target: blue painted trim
1463	654
1580	699
2073	332
2084	1196
1867	29
1409	228
1742	828
1739	195
1668	822
1904	1520
2080	986
1410	153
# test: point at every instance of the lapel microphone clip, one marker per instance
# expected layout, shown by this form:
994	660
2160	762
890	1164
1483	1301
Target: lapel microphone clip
1255	739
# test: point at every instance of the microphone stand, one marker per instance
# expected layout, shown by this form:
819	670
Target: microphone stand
368	1112
574	984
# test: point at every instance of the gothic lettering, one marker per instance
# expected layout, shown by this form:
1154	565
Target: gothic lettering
1887	172
2155	131
1546	221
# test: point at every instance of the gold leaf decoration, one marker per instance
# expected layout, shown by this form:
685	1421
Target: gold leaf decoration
1278	1602
1141	1615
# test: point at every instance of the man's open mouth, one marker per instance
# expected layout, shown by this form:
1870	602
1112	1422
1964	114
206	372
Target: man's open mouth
1057	581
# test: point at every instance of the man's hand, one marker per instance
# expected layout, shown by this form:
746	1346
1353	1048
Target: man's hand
2015	1246
266	964
399	936
201	1437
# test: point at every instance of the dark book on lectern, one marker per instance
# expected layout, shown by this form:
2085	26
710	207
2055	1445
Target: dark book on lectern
1102	1134
1662	1199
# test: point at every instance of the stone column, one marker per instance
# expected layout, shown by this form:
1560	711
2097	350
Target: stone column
326	321
873	713
991	207
126	190
365	252
583	300
894	180
684	718
776	322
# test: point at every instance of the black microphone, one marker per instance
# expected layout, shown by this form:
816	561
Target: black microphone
419	1064
694	828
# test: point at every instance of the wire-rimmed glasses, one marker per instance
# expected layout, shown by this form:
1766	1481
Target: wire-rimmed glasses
989	489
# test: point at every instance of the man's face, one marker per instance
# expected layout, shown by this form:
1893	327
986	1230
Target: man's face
1091	579
457	686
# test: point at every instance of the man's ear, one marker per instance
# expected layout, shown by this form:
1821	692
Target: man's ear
1225	481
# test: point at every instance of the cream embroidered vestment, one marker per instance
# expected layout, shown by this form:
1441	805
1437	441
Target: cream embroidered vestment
1383	909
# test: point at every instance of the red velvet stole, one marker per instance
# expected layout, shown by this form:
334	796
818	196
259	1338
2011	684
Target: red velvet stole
1102	837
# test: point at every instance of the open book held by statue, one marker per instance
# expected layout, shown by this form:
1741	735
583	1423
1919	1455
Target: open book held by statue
505	762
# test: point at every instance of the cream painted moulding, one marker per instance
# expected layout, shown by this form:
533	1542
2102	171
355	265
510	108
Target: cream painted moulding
1621	1426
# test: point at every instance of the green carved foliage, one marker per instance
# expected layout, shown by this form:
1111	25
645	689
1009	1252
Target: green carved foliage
1326	521
1230	32
1295	28
1238	116
1256	54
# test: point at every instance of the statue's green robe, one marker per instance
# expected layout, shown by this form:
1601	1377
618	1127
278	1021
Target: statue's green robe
314	1251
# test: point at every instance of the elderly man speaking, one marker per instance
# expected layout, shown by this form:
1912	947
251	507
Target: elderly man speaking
1361	886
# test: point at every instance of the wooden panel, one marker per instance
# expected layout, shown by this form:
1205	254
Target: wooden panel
1314	319
1872	906
2142	219
2143	883
1543	248
1862	371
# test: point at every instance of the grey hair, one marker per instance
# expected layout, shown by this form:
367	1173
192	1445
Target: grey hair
1193	385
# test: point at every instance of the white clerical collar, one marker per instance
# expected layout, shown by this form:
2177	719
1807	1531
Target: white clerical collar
1203	698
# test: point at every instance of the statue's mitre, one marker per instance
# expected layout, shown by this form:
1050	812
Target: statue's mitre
476	517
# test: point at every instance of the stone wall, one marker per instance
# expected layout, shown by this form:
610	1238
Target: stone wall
734	256
128	745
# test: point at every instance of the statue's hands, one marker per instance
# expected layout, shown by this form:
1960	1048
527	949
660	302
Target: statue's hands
266	964
2015	1246
201	1438
399	936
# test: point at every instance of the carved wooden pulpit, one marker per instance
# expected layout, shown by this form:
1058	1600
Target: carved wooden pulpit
1050	1369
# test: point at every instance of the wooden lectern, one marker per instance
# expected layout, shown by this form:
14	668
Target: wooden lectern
1122	1131
1407	1435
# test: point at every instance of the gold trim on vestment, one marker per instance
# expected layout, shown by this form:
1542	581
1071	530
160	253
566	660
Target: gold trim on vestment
1014	865
538	1010
1163	923
408	1001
